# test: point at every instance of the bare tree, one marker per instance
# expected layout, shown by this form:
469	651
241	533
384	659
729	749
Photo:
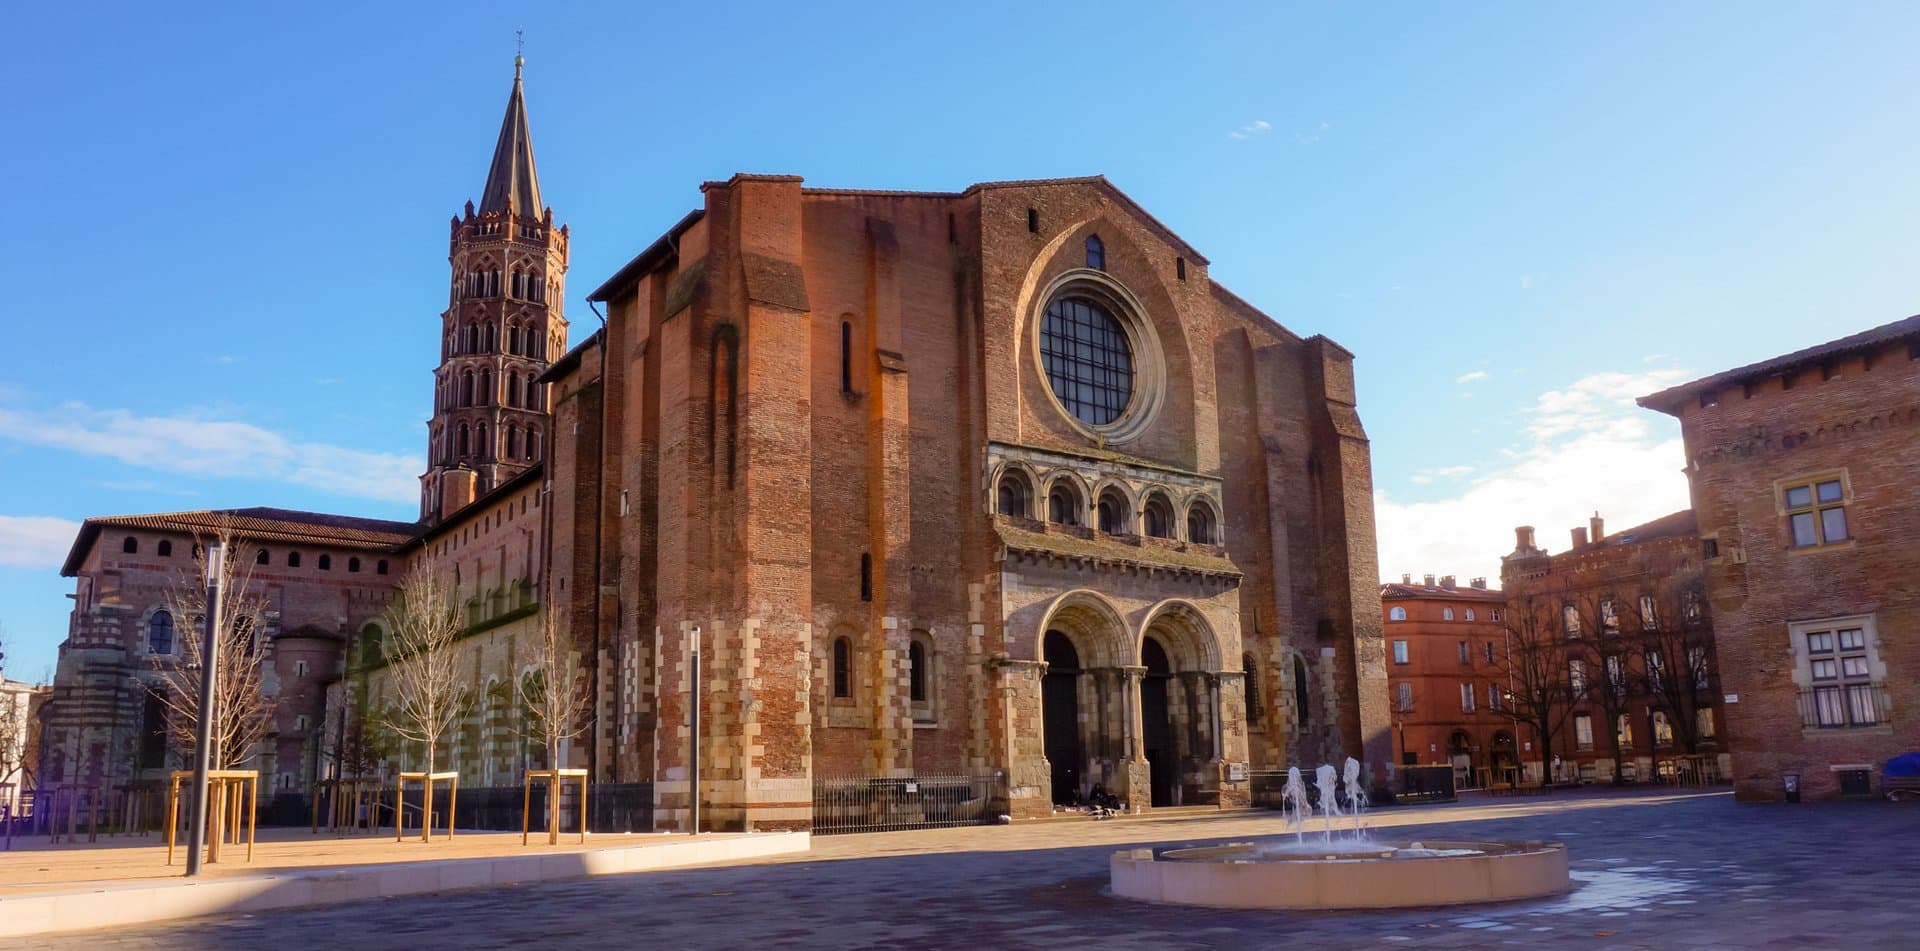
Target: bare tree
1676	642
242	712
556	703
428	696
13	715
1538	686
1597	611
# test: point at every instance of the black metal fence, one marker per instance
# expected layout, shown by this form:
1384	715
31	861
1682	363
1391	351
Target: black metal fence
1425	784
871	804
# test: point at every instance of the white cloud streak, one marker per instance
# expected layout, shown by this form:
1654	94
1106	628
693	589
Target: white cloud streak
34	541
1470	377
196	445
1251	129
1587	448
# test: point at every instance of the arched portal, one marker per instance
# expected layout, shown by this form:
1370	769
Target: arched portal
1162	757
1180	705
1060	715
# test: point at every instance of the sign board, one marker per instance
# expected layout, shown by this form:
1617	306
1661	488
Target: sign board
1733	698
1236	772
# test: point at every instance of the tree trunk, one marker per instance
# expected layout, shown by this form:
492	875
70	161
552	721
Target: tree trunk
426	801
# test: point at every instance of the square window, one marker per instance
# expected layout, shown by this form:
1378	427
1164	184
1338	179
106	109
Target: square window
1803	534
1852	666
1823	670
1820	642
1828	491
1399	652
1833	524
1799	496
1852	639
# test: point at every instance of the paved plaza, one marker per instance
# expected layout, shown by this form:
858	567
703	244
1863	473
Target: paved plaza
1692	871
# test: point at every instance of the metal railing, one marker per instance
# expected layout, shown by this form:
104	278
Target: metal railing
876	804
1843	706
1425	784
612	807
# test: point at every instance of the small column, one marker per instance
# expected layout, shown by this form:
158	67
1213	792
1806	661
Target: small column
1136	786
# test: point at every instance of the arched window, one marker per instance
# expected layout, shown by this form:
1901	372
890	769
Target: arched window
370	650
1013	496
1063	503
513	442
1158	516
462	441
380	567
466	388
1096	253
1113	510
326	563
1469	614
916	672
1300	706
536	398
164	549
1396	613
473	338
513	390
293	559
260	557
842	667
1200	524
533	444
481	447
866	577
1446	614
493	338
846	357
486	388
353	565
243	630
160	633
130	546
1252	671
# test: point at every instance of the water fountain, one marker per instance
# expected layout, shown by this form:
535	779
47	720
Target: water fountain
1351	870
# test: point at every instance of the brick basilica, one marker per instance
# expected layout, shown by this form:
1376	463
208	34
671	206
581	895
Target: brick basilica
987	481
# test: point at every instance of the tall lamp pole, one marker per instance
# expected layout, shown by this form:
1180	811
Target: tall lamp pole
203	731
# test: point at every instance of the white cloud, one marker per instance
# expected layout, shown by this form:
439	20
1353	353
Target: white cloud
1308	138
1256	127
1526	282
197	445
1426	476
1587	448
1470	377
34	541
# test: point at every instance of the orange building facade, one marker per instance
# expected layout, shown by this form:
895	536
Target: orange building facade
1445	683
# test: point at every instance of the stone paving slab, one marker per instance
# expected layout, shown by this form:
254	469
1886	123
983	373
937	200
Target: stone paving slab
1653	871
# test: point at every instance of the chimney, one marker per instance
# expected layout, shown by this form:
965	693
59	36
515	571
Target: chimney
1479	583
1406	579
1429	581
1523	538
1579	538
1594	524
1447	582
456	490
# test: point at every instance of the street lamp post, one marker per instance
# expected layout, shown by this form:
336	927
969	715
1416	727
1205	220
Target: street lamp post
203	731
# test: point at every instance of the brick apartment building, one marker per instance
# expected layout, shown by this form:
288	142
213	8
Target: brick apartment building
996	480
1613	641
1803	472
1445	650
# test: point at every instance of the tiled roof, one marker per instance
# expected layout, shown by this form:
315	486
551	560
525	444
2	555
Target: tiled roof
259	523
1670	399
1398	591
1681	523
512	185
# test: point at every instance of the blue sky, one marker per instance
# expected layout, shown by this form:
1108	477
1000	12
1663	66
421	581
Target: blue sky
225	252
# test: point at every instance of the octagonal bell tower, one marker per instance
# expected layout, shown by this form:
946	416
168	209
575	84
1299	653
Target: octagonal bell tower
503	325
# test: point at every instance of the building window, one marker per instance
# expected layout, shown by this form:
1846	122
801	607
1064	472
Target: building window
1577	677
1697	666
916	672
1252	672
866	577
1582	731
164	549
1396	613
846	357
1063	503
1088	360
1466	653
1662	730
1703	723
1839	671
1656	668
842	668
1816	513
1623	731
1488	650
1493	697
260	557
1112	512
1446	614
160	633
1466	698
1157	517
131	546
1403	698
1570	619
1013	496
1096	253
1616	674
1400	651
1300	706
1493	616
326	562
1200	524
1649	615
1469	614
1609	617
380	567
293	559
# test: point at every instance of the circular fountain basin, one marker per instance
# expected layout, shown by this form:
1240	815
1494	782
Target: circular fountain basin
1343	874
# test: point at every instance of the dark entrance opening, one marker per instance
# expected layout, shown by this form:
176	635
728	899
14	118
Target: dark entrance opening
1060	714
1163	760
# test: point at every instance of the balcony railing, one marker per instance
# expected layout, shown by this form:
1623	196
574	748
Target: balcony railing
1843	706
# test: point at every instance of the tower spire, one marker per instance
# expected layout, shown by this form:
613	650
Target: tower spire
512	184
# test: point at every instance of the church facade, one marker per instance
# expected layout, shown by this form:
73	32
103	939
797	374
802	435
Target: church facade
932	483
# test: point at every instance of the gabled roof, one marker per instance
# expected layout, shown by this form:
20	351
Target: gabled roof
260	523
1671	399
1402	591
1681	523
512	185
